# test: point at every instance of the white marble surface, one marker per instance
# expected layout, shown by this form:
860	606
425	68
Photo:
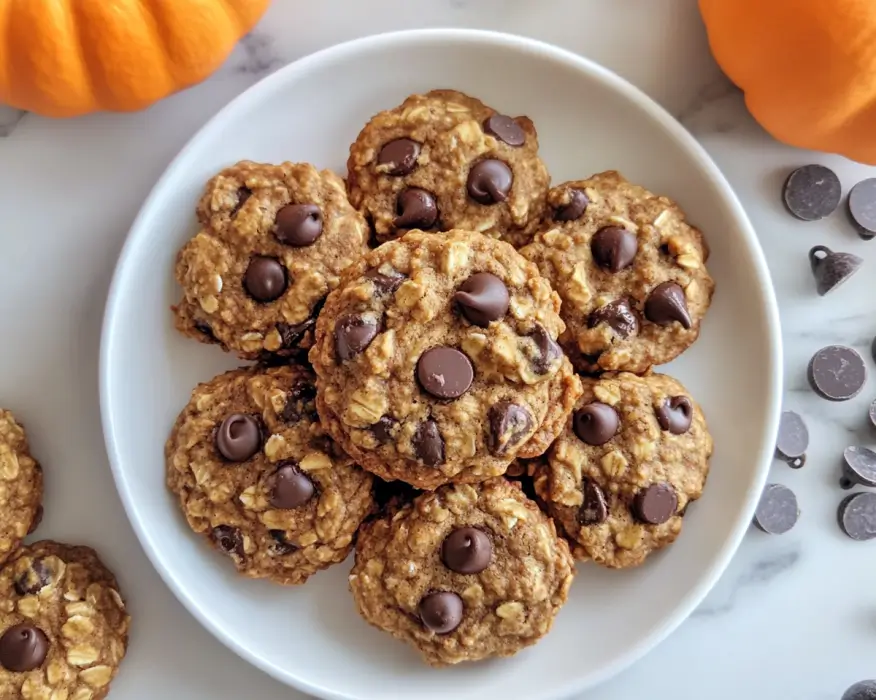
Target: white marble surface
793	617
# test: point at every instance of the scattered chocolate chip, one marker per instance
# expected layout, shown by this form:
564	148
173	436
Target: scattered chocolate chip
548	353
655	504
466	550
862	690
444	372
617	315
292	488
281	546
441	612
37	519
300	403
505	129
385	279
299	225
482	299
859	467
399	157
265	279
292	333
23	648
576	207
383	428
793	439
428	444
594	509
229	540
667	304
243	194
831	269
777	510
614	248
416	208
675	414
489	181
812	192
837	373
596	423
862	208
205	330
238	437
352	335
34	579
857	516
510	424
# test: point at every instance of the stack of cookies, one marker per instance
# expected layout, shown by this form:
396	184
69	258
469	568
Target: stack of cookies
452	375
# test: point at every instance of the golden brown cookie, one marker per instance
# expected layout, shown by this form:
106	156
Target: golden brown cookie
437	360
258	477
63	624
632	457
273	243
445	160
464	573
630	270
21	486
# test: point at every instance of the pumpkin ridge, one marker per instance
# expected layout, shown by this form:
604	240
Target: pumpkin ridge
157	25
91	64
231	11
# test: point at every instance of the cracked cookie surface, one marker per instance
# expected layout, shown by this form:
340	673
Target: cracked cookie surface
21	485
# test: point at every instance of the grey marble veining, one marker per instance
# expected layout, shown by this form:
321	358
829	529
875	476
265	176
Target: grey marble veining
256	55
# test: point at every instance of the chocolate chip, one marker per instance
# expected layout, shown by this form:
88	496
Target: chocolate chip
614	248
505	129
548	353
23	648
205	330
393	493
510	425
291	333
482	298
859	467
243	194
385	279
837	373
792	440
812	192
428	444
281	545
416	208
37	519
576	207
831	269
238	437
292	488
265	279
777	510
862	690
667	304
229	540
675	414
441	612
466	550
596	423
857	516
34	579
352	335
489	181
299	225
300	403
382	429
655	504
444	372
399	157
862	208
617	315
594	509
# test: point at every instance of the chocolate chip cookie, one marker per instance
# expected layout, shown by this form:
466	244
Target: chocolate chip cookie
437	360
63	624
630	270
463	573
273	242
258	477
21	486
634	454
445	160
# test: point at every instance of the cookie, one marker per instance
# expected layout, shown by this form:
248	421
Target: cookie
632	456
463	573
63	624
274	239
630	270
257	476
445	160
437	361
21	486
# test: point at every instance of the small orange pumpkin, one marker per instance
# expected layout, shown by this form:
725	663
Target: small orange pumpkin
807	67
63	58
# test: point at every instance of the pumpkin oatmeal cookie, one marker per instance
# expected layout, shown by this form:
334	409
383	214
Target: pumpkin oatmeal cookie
21	486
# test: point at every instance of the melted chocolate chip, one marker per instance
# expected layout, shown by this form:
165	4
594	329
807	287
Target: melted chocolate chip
594	509
416	208
399	157
445	373
385	279
675	414
441	612
238	437
575	209
299	225
34	579
482	299
428	444
353	334
281	545
548	352
23	648
655	504
265	279
489	181
243	194
300	403
506	129
382	429
292	488
229	540
617	315
510	425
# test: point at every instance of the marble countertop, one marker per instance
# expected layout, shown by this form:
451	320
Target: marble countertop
793	617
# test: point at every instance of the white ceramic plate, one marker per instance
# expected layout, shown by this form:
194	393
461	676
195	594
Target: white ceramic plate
588	120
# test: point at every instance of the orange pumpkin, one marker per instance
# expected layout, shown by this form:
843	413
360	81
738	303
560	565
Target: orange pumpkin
62	58
807	67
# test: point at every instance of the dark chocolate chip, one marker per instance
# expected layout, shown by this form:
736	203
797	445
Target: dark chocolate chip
596	423
292	488
489	181
385	279
862	207
392	493
505	129
243	194
23	647
466	550
857	516
299	225
444	372
441	612
37	519
265	279
352	335
281	545
382	429
510	426
482	299
614	248
655	504
428	444
205	330
777	510
831	269
793	439
229	540
859	467
617	315
34	579
399	157
837	373
812	192
675	414
548	353
416	208
862	690
238	437
292	333
594	509
576	207
300	403
667	304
